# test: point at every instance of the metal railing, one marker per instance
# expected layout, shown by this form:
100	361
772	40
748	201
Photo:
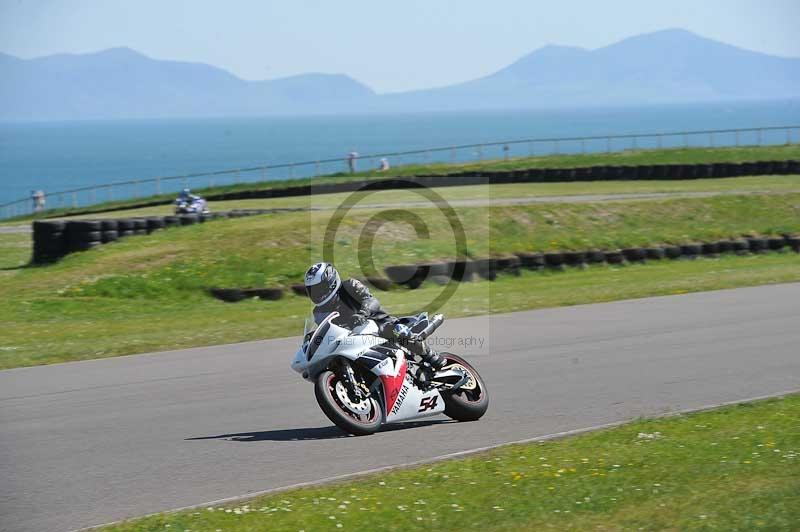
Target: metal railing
464	153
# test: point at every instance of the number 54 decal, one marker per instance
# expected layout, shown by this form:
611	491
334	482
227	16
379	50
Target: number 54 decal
428	403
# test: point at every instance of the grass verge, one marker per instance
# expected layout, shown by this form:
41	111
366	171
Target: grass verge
636	157
497	193
49	328
733	468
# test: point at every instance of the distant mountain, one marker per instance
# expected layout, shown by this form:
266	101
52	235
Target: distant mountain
670	66
122	83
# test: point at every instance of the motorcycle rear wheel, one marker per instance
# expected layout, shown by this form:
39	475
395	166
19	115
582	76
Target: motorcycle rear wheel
339	414
466	405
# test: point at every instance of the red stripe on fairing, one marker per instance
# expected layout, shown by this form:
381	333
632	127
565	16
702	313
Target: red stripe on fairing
392	385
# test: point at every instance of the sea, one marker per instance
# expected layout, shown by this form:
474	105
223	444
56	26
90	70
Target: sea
61	156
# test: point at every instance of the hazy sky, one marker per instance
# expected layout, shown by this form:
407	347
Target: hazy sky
390	46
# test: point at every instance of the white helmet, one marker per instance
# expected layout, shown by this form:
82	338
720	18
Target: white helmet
322	282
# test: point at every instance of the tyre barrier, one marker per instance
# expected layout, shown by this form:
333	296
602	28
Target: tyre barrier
775	244
594	256
531	261
554	260
758	245
672	252
532	175
615	257
709	248
634	254
298	289
234	295
654	253
53	239
574	258
691	250
409	274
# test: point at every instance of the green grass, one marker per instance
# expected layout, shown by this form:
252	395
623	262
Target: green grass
735	468
106	302
664	156
46	327
628	157
495	193
15	251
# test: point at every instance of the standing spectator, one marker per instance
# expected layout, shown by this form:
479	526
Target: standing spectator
351	161
38	200
384	164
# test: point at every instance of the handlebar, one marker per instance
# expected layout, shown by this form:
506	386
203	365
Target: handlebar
433	324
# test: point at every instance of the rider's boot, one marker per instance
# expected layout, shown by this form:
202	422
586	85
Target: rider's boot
432	357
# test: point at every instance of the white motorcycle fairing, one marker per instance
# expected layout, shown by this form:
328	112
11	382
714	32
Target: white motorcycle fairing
402	398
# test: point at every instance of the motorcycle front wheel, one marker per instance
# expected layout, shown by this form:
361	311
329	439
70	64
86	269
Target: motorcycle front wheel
359	419
466	404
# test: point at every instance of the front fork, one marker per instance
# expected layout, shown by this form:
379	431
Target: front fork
355	388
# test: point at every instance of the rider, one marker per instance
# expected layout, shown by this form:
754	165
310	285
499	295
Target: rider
355	305
187	196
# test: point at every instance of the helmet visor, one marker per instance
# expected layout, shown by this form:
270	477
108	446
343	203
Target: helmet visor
319	292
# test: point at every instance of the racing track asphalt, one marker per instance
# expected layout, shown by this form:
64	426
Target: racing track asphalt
90	442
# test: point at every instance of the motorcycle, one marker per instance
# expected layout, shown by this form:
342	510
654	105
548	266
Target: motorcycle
362	381
194	206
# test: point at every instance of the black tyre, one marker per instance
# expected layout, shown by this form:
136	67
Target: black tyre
725	246
154	223
84	246
691	250
532	261
575	258
342	415
595	256
85	225
486	268
741	246
758	244
48	227
87	236
615	257
634	254
268	294
509	264
654	253
229	295
110	236
466	405
109	225
401	274
554	259
125	224
298	289
775	243
172	221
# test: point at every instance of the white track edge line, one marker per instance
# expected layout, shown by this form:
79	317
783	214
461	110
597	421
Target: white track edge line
448	456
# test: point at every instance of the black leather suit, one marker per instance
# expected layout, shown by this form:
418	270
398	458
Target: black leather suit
354	303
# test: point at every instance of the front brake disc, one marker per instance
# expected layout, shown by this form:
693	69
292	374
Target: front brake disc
361	407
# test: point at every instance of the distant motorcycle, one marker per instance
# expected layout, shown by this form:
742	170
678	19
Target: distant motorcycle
362	381
196	205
